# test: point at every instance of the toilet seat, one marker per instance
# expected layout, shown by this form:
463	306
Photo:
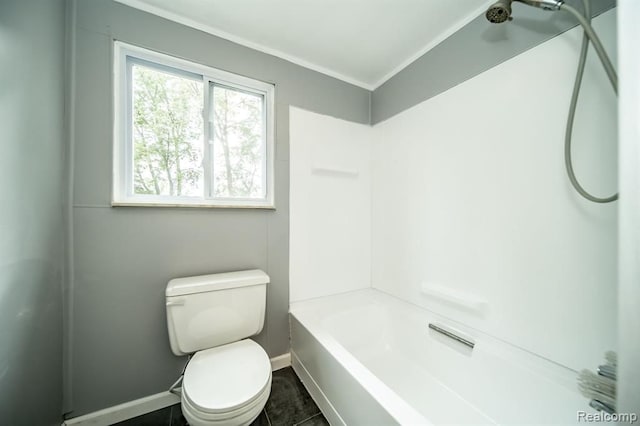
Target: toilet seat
227	384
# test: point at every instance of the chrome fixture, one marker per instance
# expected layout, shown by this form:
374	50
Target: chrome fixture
500	12
452	335
601	387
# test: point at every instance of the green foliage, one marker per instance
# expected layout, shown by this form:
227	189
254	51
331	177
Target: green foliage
237	149
167	133
168	137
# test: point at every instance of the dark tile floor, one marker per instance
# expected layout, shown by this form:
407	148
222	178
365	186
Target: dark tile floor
289	405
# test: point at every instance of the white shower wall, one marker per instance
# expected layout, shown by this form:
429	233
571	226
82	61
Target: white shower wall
466	194
470	195
330	205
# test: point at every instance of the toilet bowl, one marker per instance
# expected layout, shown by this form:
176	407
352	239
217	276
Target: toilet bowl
226	385
228	379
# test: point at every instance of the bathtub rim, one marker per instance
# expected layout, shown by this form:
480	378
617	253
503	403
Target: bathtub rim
396	407
311	315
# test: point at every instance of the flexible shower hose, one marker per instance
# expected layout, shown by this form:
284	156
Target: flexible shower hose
589	35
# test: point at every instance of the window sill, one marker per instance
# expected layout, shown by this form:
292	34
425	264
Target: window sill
197	206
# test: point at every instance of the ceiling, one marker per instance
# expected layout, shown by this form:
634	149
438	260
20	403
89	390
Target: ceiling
363	42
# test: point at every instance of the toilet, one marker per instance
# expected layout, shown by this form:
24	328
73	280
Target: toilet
228	379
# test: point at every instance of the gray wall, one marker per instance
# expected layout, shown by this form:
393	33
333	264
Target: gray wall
125	256
470	51
31	217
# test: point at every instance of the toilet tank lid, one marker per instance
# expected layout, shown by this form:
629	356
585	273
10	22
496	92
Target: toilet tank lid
213	282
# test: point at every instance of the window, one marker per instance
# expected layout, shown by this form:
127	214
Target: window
189	135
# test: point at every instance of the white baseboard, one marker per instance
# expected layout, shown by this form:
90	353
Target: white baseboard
316	393
281	361
125	411
145	405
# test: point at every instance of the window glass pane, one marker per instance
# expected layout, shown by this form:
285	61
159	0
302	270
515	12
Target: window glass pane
167	133
238	147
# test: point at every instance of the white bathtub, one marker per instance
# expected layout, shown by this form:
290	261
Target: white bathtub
370	359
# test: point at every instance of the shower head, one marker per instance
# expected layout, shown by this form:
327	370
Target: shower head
500	11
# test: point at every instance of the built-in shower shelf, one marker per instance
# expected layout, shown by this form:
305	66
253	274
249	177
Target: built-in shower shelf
334	171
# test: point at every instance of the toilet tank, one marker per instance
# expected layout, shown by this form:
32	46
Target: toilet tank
212	310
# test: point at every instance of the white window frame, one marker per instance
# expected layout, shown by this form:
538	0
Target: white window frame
122	193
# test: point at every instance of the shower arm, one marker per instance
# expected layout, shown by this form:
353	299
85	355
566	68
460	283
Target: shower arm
544	4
